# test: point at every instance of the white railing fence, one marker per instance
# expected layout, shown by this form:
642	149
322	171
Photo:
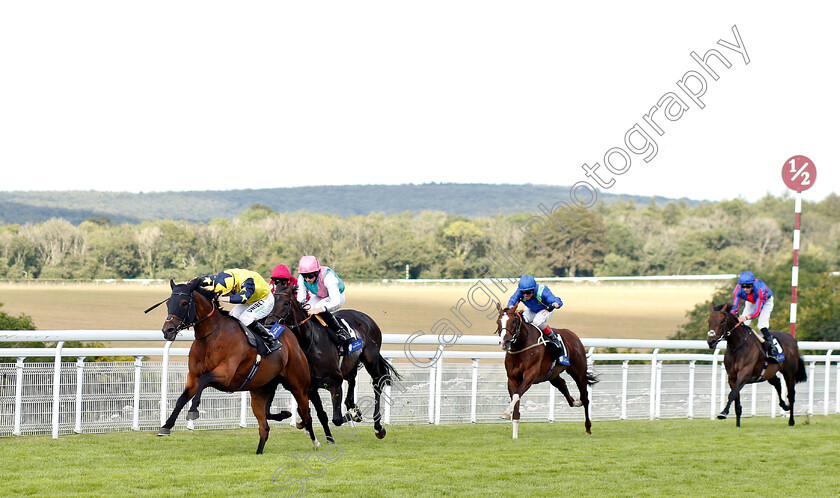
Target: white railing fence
656	379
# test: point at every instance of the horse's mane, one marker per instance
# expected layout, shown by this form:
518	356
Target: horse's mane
195	285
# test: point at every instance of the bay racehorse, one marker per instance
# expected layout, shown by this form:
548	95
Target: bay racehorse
745	361
327	368
221	357
530	361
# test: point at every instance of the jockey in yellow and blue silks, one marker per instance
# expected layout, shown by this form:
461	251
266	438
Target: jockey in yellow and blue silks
249	293
758	303
540	303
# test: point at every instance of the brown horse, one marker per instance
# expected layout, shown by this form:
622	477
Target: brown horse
327	368
220	357
745	362
530	361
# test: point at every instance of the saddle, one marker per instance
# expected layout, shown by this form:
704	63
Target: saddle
254	341
561	355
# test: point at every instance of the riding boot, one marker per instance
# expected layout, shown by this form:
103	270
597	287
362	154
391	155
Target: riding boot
342	336
771	346
562	357
270	342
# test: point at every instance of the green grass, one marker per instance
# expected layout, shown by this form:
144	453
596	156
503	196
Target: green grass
629	458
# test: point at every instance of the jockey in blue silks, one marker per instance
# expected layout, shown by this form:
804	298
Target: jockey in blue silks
539	303
758	303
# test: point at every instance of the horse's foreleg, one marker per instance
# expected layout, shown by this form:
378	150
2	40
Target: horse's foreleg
260	408
203	381
736	383
335	398
350	399
189	392
322	415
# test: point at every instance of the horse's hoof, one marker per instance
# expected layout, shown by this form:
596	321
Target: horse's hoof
283	415
506	416
330	440
722	416
316	445
299	425
577	403
355	415
381	433
163	431
193	415
792	423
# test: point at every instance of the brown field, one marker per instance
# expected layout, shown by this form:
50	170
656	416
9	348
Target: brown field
642	311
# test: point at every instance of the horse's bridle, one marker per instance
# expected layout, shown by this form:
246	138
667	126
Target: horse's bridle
724	335
515	333
190	319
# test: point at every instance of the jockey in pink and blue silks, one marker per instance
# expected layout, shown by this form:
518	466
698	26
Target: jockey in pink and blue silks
758	303
321	288
539	303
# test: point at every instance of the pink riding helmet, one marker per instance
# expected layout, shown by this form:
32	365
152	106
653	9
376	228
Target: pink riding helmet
281	271
308	264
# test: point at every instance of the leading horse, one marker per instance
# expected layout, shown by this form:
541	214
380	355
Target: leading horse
221	357
530	361
328	369
745	361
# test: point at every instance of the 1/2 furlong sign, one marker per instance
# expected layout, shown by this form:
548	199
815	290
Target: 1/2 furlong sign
799	174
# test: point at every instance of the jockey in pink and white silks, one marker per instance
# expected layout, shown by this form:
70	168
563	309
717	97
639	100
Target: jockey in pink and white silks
758	303
323	291
539	303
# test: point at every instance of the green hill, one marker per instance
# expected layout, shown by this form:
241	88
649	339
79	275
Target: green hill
468	200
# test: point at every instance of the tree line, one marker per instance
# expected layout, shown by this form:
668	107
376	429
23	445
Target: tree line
616	239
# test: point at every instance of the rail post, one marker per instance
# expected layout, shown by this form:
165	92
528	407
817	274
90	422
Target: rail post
56	389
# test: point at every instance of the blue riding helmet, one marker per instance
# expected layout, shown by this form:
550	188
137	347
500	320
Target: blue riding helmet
527	282
746	277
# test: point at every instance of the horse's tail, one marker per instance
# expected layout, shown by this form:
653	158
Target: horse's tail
801	375
591	379
388	371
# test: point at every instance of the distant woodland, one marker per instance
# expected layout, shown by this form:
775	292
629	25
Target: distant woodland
622	237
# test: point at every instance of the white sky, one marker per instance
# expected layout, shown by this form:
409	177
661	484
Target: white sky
159	96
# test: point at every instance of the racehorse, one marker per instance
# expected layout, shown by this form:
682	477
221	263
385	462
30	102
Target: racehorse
745	363
529	361
328	369
221	357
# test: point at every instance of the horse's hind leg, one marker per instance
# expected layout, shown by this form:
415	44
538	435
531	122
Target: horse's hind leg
790	382
189	392
560	384
260	407
583	388
775	382
278	417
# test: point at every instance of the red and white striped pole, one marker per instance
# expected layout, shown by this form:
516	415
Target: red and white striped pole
799	174
794	276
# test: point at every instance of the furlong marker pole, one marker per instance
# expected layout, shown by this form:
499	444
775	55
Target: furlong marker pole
794	276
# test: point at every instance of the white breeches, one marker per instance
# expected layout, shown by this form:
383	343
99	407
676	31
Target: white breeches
763	317
248	313
539	319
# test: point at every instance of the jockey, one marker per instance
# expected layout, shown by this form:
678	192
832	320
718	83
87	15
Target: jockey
324	292
282	277
249	293
758	303
540	303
